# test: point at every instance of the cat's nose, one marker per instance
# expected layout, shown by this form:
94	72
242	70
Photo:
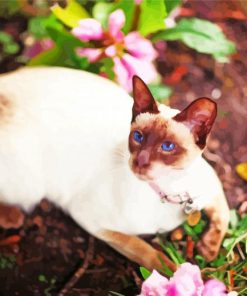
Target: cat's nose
143	159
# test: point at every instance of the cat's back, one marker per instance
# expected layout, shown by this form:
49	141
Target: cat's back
66	92
57	129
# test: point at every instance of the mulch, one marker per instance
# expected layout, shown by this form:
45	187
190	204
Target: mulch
50	254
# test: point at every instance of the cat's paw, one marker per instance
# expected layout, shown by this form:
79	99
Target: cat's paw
208	247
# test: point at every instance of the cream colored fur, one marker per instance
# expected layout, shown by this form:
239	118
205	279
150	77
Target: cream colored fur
66	138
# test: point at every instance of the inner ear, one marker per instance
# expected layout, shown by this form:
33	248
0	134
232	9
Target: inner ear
199	117
143	99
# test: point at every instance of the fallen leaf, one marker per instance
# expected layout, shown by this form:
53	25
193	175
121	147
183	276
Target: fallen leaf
241	169
10	217
177	234
13	239
194	218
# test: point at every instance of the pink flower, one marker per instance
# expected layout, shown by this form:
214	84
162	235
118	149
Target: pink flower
186	281
37	47
154	285
214	288
132	54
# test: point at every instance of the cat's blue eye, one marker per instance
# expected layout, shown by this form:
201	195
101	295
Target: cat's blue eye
138	137
168	146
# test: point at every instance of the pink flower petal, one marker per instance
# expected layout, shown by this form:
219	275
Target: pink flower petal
140	47
122	74
91	53
154	285
116	23
111	51
142	68
186	281
214	288
88	29
38	47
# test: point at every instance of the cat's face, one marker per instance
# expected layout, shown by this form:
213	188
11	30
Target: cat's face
159	145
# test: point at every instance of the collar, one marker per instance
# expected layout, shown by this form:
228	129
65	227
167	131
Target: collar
183	198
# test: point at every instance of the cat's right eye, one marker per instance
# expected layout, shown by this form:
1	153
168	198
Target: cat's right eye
138	136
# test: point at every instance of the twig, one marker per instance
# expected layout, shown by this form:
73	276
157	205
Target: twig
213	269
81	270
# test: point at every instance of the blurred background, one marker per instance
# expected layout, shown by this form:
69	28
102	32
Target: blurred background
39	251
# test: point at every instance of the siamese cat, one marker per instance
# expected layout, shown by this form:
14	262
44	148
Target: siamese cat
119	166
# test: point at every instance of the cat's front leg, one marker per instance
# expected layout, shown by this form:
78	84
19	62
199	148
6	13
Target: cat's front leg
136	249
219	215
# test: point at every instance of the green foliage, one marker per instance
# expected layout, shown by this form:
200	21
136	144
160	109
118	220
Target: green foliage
7	262
145	272
70	15
38	25
8	8
101	12
51	284
153	13
201	35
128	8
148	18
172	4
111	293
9	45
160	92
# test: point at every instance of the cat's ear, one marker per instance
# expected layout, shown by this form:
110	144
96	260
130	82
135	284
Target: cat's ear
199	117
143	99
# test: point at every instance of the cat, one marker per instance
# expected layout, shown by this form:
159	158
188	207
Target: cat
121	167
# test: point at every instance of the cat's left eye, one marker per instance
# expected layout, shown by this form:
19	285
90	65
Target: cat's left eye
168	146
138	137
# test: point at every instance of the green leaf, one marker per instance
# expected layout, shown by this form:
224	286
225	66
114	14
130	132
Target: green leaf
199	227
201	261
114	293
107	67
67	44
71	14
228	242
51	57
11	48
128	8
42	278
101	12
219	261
201	35
153	13
160	92
233	218
190	231
5	37
145	272
36	26
172	4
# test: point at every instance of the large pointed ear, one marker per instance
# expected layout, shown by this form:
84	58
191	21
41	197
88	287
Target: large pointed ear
143	99
199	116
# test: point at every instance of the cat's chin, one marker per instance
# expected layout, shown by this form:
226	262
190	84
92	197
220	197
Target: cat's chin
144	177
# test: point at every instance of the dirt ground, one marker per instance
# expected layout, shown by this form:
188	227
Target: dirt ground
41	256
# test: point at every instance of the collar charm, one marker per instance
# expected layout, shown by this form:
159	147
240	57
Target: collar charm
184	198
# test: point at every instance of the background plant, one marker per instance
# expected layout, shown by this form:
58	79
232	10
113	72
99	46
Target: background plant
50	40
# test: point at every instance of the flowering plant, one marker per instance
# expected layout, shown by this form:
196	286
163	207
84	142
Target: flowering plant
185	281
117	39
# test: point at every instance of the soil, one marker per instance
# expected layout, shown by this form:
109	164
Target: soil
40	257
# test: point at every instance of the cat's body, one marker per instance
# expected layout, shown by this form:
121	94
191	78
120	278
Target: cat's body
64	136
